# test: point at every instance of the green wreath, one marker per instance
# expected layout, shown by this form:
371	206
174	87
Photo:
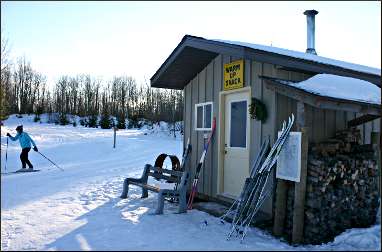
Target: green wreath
257	110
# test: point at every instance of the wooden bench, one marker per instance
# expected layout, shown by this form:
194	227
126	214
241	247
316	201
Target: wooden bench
180	177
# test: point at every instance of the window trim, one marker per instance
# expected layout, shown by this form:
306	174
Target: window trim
203	104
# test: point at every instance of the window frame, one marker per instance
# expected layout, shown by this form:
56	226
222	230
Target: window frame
203	104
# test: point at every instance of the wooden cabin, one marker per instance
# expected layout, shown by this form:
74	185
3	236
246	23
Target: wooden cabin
220	79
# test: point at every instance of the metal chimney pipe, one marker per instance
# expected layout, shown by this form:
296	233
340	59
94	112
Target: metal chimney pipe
310	31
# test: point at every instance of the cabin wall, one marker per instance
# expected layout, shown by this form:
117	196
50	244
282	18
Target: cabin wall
207	85
323	123
204	87
278	110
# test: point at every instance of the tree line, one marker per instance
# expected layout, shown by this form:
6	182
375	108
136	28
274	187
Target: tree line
23	90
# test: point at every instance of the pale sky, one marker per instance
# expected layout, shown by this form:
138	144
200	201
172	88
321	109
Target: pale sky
106	39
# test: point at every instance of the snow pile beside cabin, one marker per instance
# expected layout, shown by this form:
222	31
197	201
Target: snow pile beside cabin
80	208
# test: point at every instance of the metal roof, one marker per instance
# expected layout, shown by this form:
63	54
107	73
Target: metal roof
194	53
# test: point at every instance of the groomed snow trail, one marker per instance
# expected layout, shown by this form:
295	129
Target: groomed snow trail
80	208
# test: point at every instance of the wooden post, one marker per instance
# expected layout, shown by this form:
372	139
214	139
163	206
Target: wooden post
280	207
300	187
115	136
375	141
280	204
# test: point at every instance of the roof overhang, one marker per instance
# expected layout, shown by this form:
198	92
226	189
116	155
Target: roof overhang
194	53
319	101
182	68
187	60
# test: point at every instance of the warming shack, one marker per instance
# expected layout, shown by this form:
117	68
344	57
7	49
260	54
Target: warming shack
251	89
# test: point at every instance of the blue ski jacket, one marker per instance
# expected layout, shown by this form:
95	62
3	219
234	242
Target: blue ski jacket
25	140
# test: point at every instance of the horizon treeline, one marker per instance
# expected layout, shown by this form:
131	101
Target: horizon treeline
25	91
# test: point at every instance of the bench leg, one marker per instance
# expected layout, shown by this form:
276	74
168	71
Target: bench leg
160	206
144	179
125	189
145	193
182	203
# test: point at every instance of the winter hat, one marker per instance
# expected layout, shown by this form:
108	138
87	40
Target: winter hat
19	128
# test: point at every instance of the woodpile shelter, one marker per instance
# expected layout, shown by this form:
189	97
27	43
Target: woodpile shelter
251	89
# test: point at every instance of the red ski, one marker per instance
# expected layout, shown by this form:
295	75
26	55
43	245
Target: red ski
199	167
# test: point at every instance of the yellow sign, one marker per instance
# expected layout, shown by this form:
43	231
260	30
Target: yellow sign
233	75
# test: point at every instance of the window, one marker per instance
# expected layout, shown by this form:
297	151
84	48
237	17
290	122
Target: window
203	116
238	124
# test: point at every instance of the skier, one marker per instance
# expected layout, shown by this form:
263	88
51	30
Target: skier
25	143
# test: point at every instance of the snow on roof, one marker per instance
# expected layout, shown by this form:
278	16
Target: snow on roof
307	56
340	87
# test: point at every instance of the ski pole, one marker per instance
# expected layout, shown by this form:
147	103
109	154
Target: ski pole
50	161
6	156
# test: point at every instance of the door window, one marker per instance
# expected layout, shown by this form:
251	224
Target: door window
238	124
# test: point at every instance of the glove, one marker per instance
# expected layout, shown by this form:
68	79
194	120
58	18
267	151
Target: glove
8	135
35	148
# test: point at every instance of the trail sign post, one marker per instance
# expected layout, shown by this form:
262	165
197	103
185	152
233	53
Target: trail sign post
115	135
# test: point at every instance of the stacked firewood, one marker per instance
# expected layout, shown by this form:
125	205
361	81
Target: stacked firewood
341	189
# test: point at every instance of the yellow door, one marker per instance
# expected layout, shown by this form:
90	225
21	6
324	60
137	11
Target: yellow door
236	143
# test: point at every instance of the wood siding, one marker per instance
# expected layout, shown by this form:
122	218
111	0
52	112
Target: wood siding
207	85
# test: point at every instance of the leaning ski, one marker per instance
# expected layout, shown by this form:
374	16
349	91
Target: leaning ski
185	157
199	167
256	190
242	198
256	183
272	157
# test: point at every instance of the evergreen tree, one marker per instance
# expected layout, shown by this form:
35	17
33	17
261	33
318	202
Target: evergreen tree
92	123
105	121
63	119
121	121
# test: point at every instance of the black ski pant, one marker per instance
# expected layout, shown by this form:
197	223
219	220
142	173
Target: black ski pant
24	158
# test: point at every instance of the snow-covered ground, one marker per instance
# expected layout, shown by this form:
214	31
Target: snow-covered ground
80	209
